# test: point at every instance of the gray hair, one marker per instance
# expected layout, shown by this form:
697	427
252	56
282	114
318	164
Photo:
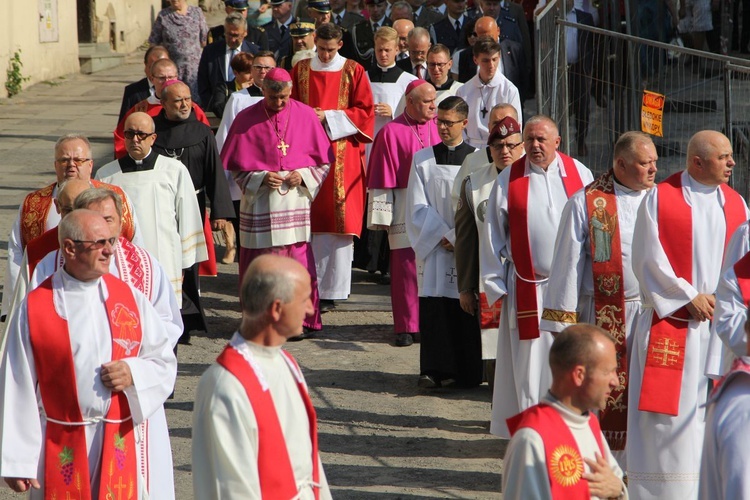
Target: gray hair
73	137
261	288
70	228
541	119
418	33
627	143
275	86
402	4
507	107
235	19
98	195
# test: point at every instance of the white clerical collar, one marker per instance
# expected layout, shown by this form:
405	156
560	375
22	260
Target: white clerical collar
571	418
453	20
334	65
386	68
453	148
495	82
140	162
695	185
151	89
152	99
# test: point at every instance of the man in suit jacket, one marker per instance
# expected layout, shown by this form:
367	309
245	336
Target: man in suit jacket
580	58
424	17
279	40
451	30
256	35
341	17
140	90
512	63
419	44
214	68
510	17
363	33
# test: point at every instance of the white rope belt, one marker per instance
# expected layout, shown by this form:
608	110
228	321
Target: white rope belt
543	280
199	191
302	485
88	421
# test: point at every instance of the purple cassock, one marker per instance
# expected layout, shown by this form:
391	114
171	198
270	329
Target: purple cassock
264	140
257	135
388	168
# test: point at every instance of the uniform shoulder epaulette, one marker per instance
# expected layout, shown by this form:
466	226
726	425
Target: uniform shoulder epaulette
260	28
511	19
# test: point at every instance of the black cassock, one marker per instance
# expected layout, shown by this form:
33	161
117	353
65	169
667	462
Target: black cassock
193	143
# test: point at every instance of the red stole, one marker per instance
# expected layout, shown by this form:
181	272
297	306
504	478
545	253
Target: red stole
609	297
39	247
135	266
489	315
208	266
742	272
274	466
563	458
36	206
527	310
66	468
662	375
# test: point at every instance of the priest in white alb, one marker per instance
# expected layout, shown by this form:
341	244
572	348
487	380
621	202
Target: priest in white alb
592	278
137	267
86	359
255	432
162	190
450	349
523	214
680	235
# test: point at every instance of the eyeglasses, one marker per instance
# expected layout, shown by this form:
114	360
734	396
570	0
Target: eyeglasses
164	78
77	161
498	146
437	65
131	134
97	244
447	123
262	68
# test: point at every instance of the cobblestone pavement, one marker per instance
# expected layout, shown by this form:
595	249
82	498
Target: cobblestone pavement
380	436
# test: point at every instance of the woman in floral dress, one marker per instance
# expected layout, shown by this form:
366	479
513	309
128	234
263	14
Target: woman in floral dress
183	31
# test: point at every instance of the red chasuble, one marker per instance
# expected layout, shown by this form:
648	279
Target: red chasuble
662	375
339	206
527	310
742	272
66	468
274	466
563	458
609	297
36	206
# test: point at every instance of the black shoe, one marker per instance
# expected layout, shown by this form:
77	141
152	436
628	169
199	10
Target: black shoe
326	305
404	339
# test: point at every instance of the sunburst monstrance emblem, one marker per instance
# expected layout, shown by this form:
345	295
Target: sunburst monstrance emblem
566	465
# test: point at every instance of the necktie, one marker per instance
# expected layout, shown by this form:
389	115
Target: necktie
282	30
418	71
230	73
338	19
375	27
458	27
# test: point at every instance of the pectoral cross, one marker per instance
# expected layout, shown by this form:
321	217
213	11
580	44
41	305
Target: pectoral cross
483	111
668	357
452	274
283	146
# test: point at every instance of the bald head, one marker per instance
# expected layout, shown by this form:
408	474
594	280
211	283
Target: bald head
403	27
67	194
139	135
153	54
140	121
487	26
710	160
177	101
275	298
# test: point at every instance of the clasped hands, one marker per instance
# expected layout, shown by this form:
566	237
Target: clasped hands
274	181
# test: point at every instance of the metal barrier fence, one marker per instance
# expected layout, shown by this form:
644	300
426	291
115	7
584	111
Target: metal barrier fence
601	96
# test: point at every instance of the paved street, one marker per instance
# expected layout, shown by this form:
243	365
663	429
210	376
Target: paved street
380	436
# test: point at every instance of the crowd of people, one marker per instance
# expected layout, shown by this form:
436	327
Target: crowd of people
605	312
